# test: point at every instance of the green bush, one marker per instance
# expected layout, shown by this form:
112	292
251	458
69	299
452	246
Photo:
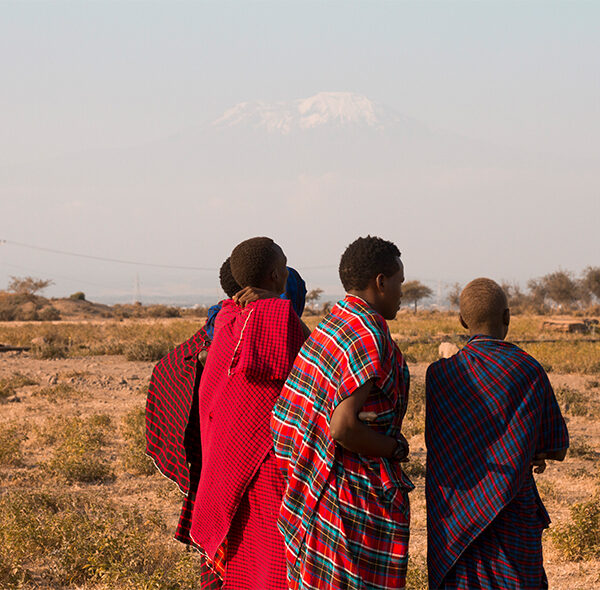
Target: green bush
579	539
133	428
77	296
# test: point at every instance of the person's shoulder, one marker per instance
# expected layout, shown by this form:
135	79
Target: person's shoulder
525	361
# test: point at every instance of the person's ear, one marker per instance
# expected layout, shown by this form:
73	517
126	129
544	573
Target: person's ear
380	282
506	317
462	322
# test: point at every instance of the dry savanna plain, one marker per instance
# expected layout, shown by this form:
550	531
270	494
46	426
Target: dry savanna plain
81	506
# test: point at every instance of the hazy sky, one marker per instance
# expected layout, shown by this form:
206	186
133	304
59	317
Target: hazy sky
84	78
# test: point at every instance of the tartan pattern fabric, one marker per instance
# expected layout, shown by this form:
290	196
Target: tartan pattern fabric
172	433
237	393
344	517
490	408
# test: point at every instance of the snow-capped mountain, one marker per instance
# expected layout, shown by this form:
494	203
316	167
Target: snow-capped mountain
322	109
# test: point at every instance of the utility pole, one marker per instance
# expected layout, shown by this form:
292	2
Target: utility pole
137	298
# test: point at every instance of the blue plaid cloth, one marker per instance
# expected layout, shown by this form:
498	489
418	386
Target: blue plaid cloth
490	408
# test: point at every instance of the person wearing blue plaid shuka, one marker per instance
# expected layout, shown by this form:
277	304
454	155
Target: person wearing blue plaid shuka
491	416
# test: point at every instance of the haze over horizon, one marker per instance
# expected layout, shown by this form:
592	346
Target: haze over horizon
467	133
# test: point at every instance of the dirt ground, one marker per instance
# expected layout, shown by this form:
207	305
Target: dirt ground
114	386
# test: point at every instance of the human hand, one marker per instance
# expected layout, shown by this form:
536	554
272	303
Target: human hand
367	416
539	463
401	453
252	294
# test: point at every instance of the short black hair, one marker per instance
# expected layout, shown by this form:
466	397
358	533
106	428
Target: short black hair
252	260
482	302
228	283
364	259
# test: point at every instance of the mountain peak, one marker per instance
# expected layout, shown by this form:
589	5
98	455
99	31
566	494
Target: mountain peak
324	108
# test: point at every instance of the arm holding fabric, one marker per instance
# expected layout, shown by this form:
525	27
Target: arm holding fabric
354	435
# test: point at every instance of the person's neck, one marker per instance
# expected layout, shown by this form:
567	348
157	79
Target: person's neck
366	296
494	332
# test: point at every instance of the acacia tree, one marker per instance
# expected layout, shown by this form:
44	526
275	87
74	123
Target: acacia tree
28	285
414	291
560	287
312	297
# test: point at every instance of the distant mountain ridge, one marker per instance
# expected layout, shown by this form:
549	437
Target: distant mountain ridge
324	108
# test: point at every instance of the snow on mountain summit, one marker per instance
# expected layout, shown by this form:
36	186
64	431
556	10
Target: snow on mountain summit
324	108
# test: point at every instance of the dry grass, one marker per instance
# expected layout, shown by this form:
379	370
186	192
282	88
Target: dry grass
78	444
78	432
11	440
133	428
69	539
579	539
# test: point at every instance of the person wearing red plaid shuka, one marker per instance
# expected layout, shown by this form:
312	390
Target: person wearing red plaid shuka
240	487
345	512
491	415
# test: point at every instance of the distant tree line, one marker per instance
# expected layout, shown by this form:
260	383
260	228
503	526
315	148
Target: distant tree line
559	290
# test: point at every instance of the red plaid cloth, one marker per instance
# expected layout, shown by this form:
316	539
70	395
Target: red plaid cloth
250	357
345	517
172	439
490	408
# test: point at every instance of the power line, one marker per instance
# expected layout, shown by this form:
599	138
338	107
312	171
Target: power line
105	259
132	262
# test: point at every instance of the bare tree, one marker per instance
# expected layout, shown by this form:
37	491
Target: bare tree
414	291
454	295
28	285
591	280
516	298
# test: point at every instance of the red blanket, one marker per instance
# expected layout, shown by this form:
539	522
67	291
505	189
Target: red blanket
249	360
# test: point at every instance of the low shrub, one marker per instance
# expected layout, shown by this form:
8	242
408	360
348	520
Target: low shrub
74	540
148	351
414	420
77	296
162	311
572	401
416	575
133	428
11	439
579	539
414	468
77	455
53	349
53	393
579	447
9	385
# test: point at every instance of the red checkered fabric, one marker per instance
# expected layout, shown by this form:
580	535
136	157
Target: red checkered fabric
250	356
172	424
